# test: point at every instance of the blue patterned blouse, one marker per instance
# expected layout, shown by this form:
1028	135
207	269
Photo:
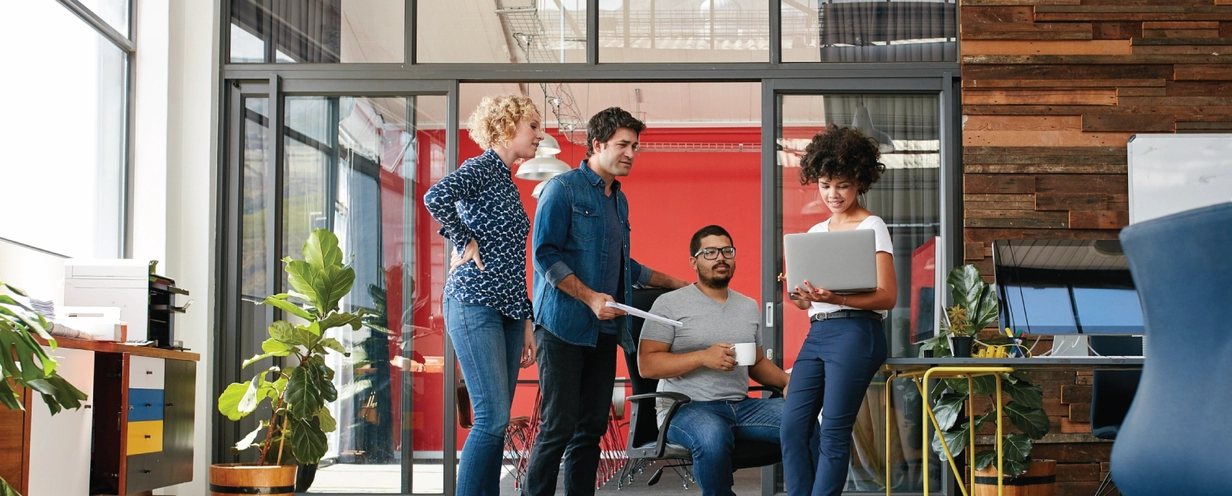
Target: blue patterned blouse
479	201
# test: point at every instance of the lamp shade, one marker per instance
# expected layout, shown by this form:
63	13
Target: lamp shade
538	189
545	164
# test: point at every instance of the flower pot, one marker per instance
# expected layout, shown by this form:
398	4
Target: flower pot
228	479
960	346
1039	480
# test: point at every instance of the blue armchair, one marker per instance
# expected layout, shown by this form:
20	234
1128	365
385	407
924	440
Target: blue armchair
1175	438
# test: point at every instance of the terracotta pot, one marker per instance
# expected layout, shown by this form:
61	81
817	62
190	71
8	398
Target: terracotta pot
1039	480
228	479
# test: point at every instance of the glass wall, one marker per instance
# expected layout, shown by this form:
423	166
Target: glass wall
864	31
359	164
316	31
65	132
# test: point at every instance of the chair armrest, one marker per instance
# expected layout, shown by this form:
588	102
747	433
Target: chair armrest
774	391
678	399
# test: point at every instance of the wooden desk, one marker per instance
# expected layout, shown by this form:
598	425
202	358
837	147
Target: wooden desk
141	440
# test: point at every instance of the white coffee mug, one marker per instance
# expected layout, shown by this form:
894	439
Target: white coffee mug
746	353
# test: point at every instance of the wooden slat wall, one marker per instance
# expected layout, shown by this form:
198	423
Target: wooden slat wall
1052	91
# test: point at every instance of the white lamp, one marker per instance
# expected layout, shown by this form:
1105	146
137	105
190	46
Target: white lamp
538	189
545	164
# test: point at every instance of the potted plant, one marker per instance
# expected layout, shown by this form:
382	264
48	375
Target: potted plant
26	364
975	307
299	390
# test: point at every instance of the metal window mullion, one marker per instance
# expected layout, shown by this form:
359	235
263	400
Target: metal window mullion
274	189
100	25
776	32
449	452
771	218
410	33
592	32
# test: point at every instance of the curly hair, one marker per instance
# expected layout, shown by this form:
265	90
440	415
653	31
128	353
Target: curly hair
605	123
841	152
495	121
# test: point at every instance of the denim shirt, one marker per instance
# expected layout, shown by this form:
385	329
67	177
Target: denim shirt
479	201
570	237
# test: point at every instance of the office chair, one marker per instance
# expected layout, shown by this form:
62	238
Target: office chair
648	443
1175	438
1111	393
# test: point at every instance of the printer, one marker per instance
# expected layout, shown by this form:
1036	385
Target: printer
146	301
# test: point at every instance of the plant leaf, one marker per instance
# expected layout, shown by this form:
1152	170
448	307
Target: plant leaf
247	441
947	409
308	443
985	384
985	458
287	306
989	416
309	389
229	400
1014	468
1031	421
321	250
303	276
333	344
328	424
6	490
956	440
341	318
1025	394
9	398
1016	447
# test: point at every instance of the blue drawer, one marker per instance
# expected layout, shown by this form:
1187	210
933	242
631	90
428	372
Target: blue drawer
145	404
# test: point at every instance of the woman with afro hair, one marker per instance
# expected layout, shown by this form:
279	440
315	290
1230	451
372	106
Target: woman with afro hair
845	345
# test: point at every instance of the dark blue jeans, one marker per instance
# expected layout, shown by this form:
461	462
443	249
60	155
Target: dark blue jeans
576	387
710	429
489	349
834	368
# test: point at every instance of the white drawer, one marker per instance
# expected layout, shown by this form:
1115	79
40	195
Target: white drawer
145	372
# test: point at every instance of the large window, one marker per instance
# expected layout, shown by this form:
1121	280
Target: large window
65	127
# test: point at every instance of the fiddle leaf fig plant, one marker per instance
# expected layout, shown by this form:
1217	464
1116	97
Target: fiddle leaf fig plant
975	307
26	364
299	391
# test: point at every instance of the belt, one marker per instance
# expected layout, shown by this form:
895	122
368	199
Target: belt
845	314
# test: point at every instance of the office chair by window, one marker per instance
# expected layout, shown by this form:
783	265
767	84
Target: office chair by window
1175	438
1112	391
648	443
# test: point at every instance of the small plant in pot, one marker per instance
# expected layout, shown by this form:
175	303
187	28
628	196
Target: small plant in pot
299	390
975	307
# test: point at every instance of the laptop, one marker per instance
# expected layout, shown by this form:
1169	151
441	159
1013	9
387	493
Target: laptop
844	262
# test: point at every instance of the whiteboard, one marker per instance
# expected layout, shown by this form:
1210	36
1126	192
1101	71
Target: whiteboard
1170	173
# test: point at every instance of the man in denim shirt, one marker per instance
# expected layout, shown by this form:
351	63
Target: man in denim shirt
581	259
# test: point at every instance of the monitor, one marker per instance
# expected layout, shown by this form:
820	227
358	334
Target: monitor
1065	287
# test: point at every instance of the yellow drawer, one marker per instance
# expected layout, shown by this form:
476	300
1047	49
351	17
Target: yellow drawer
145	437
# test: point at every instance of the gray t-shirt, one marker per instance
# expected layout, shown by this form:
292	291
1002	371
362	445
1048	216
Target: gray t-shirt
706	322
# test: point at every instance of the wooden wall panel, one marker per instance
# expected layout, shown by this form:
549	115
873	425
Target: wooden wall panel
1051	92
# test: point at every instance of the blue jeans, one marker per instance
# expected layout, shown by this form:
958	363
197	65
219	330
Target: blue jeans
834	368
489	349
576	387
710	429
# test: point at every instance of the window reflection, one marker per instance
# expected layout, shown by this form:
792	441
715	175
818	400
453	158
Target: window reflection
870	31
317	31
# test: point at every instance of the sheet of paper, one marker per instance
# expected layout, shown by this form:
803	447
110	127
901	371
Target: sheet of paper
645	315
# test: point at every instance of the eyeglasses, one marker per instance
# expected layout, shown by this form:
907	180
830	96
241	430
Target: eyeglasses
713	253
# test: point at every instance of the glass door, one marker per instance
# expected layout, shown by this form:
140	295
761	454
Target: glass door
906	122
357	164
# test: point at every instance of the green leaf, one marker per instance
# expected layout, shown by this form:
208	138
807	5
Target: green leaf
272	348
303	391
340	280
9	398
1014	468
985	384
308	443
248	440
980	420
282	330
947	408
1031	421
272	389
321	250
1025	394
229	400
1016	447
303	277
280	302
328	424
956	440
341	318
333	344
985	458
6	490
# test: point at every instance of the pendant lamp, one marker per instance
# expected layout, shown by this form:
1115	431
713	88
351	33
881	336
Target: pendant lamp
545	164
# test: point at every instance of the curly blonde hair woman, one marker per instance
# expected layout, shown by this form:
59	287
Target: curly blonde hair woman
486	306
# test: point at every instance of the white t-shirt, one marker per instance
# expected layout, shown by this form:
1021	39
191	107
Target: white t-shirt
882	243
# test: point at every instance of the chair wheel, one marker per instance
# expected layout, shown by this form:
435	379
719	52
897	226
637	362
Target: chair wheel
654	479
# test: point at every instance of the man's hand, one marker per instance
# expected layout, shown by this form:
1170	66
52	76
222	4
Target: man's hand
720	356
470	253
598	304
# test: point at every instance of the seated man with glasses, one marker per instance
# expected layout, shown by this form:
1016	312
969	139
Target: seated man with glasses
699	361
